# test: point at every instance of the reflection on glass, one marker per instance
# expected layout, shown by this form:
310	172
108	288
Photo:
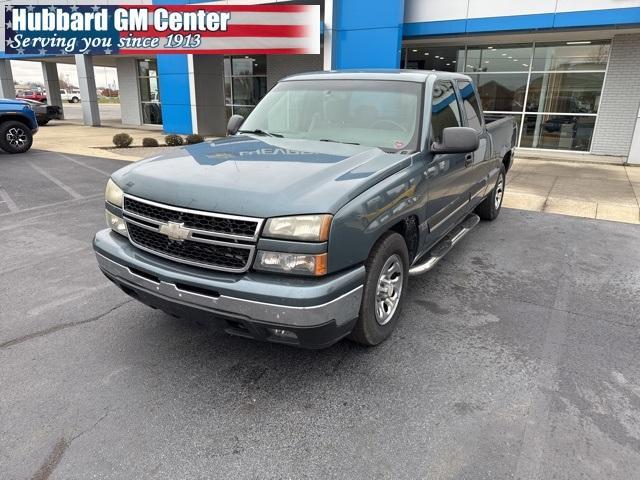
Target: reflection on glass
244	111
152	113
149	89
149	92
577	55
147	68
227	90
502	92
448	59
565	92
248	90
499	58
559	132
470	105
445	110
256	65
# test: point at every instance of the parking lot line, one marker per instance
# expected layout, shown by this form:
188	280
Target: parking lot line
82	164
11	205
62	185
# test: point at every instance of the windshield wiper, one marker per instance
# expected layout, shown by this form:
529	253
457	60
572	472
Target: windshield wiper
257	131
337	141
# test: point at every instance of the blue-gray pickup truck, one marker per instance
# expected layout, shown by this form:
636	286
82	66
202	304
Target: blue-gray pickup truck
304	224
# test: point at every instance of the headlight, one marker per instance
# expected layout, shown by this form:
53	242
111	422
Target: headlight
116	223
114	194
283	262
310	228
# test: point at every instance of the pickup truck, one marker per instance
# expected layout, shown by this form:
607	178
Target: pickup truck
304	224
31	95
71	96
18	124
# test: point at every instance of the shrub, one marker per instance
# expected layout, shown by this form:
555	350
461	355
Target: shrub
149	142
194	138
173	140
122	140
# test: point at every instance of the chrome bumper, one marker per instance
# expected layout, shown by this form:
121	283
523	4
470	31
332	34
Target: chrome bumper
342	309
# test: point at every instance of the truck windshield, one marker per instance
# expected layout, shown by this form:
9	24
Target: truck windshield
384	114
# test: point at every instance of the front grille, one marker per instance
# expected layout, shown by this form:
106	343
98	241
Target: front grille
205	254
209	240
206	222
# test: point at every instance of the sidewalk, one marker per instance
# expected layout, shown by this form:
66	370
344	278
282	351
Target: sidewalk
604	192
72	138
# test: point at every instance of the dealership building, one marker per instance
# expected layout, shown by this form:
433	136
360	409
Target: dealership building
568	71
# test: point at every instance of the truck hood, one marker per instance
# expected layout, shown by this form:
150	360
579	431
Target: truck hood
260	176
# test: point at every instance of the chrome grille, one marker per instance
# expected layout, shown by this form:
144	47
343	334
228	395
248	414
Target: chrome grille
210	240
224	225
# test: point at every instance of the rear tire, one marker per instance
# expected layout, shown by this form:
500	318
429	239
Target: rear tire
75	100
15	137
489	208
387	277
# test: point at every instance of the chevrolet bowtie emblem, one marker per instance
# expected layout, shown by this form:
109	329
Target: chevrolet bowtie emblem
175	231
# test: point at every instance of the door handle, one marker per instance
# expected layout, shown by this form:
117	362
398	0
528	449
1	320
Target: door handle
468	159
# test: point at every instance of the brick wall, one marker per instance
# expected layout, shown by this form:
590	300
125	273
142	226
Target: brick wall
280	66
620	98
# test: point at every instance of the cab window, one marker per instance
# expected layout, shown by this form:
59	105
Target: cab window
471	105
445	111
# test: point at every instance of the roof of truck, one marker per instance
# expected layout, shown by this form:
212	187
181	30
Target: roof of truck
382	74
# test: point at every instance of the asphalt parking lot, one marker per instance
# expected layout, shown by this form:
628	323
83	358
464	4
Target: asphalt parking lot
516	357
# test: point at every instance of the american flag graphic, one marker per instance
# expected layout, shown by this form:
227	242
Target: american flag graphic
250	29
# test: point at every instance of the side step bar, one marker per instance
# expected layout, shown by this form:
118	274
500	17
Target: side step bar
433	256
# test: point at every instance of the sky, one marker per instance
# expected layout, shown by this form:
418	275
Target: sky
24	71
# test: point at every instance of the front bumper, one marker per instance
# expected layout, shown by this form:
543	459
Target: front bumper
307	312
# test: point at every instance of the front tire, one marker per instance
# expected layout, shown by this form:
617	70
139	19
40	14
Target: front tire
489	208
75	100
387	278
15	137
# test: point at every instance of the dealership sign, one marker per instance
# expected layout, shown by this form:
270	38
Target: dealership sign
202	29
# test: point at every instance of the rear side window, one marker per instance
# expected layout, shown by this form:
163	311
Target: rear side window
445	111
471	105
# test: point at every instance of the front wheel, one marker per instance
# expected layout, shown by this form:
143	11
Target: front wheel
15	137
75	100
489	208
387	277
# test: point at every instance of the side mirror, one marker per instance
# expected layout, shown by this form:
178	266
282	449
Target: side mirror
457	140
235	122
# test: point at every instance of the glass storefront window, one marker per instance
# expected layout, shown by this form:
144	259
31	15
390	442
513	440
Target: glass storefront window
149	88
147	68
558	132
565	92
248	90
501	92
552	90
448	59
245	83
498	58
579	55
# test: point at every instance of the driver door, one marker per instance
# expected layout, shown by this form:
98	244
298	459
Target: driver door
445	173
